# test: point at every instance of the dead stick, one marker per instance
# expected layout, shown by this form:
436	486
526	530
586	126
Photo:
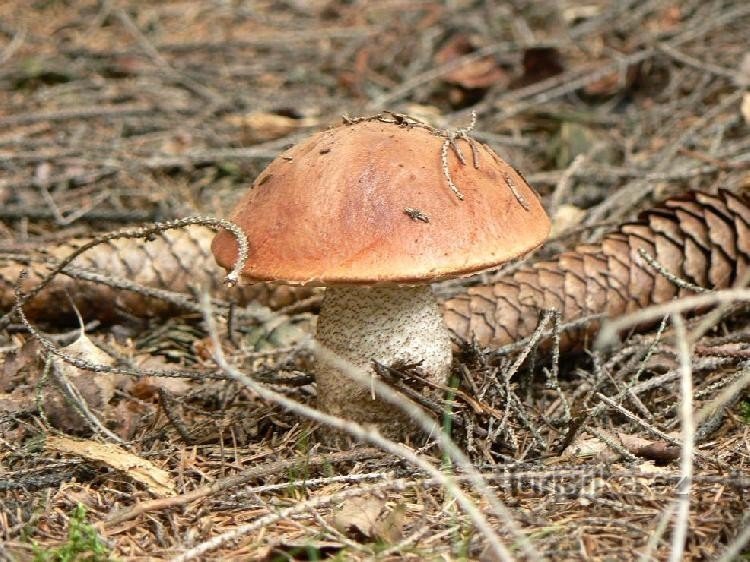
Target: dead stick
237	480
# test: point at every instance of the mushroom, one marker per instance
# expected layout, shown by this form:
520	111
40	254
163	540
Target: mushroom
376	210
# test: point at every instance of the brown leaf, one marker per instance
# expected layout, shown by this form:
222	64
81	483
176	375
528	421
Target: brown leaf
476	74
158	481
539	63
369	517
147	388
660	452
614	82
259	126
585	447
96	389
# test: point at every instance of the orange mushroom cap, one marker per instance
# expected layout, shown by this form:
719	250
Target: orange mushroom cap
370	202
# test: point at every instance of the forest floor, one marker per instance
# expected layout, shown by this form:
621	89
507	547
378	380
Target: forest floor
115	113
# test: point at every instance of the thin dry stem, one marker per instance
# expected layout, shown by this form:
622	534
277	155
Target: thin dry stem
685	486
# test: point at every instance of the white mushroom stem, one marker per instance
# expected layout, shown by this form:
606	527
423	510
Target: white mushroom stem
391	325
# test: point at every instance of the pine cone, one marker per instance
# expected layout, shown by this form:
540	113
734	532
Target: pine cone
703	239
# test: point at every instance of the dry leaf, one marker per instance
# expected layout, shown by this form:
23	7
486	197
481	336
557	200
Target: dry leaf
259	126
539	63
147	388
156	480
95	389
566	217
614	82
657	451
427	113
369	517
588	447
476	74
